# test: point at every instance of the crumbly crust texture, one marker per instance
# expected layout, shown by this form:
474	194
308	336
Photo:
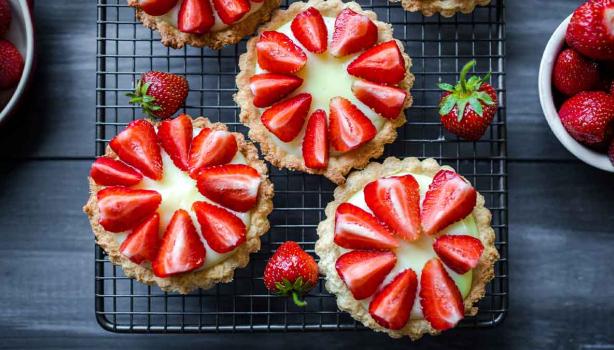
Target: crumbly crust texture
446	8
172	37
339	165
207	278
328	251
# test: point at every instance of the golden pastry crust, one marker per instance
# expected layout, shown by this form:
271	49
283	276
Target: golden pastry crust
446	8
338	165
207	278
328	251
171	36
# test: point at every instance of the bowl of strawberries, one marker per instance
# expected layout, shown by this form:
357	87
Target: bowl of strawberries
576	83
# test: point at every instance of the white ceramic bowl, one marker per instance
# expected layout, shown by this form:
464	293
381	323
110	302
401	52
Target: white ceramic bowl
585	154
21	34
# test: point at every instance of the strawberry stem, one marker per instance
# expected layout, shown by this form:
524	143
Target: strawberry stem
297	301
463	75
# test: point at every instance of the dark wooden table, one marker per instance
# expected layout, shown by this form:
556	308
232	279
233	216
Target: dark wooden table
560	210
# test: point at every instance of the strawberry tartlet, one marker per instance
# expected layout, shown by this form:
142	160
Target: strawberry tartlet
323	87
407	247
446	8
181	203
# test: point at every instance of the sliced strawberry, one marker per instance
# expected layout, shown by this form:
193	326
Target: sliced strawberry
195	17
349	128
138	146
234	186
449	198
385	100
230	11
277	53
181	249
392	305
460	253
124	208
315	142
285	119
223	230
175	135
353	32
310	30
441	301
357	229
382	63
110	172
363	271
211	147
269	88
157	7
143	242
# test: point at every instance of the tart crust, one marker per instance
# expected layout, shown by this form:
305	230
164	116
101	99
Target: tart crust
446	8
207	278
328	251
339	164
171	36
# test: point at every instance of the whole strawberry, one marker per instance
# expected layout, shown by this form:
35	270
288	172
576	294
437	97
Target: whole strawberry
591	30
291	271
160	94
573	73
11	65
5	17
468	108
589	117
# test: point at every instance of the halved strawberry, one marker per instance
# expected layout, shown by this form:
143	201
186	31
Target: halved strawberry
382	63
157	7
449	198
110	172
349	128
353	32
392	305
223	230
175	135
441	301
138	146
211	147
181	249
315	142
395	201
231	11
234	186
269	88
357	229
460	253
310	30
195	17
143	242
278	54
363	271
123	208
385	100
285	119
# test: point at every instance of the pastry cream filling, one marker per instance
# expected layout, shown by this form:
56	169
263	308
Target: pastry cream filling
414	255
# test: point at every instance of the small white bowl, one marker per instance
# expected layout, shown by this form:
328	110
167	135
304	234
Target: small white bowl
585	154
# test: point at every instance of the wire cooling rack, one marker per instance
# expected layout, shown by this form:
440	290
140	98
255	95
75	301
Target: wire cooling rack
439	48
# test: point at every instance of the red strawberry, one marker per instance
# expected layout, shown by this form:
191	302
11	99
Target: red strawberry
269	88
195	17
363	271
357	229
391	306
138	146
442	303
382	63
395	201
223	230
175	135
110	172
230	11
11	65
315	142
159	94
591	29
310	30
588	117
460	253
573	73
124	208
349	128
353	32
234	186
157	7
611	152
291	271
385	100
449	198
5	17
211	147
143	243
285	119
278	54
181	249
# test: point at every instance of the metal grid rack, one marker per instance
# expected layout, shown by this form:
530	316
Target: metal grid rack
439	47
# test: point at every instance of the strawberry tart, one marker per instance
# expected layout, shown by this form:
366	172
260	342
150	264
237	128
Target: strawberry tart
407	247
446	8
181	203
323	87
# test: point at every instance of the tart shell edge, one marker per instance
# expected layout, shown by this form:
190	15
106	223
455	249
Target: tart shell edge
444	7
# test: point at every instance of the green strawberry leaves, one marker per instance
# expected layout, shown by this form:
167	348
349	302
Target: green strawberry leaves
141	98
297	289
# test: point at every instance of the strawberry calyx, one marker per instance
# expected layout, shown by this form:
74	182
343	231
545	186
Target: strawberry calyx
465	92
296	290
140	98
